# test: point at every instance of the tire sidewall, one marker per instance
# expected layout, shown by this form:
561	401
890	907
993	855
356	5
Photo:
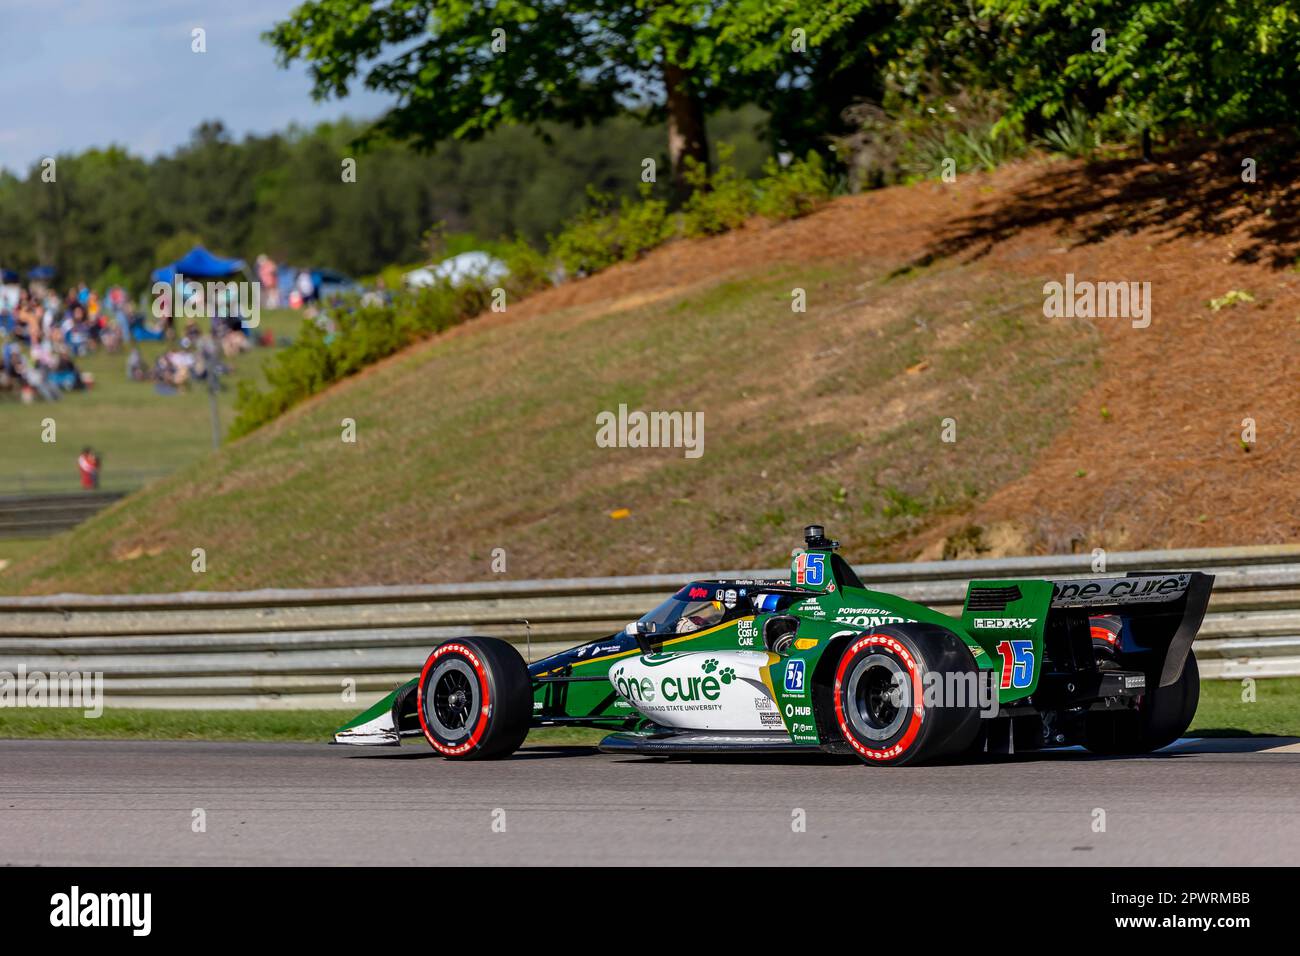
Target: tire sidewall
908	737
485	697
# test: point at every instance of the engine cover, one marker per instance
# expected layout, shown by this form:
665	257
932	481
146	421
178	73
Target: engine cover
701	690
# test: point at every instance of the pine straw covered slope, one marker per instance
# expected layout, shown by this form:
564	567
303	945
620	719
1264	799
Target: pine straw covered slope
924	303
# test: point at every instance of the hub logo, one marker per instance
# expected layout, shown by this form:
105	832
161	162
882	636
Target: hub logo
794	677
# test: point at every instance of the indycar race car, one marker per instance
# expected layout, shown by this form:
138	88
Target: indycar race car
821	662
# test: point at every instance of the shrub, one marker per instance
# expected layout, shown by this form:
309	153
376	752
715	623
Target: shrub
793	191
912	139
331	348
642	225
528	267
719	201
1073	135
588	242
600	236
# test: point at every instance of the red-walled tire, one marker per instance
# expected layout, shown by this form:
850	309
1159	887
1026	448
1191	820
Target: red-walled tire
877	693
475	699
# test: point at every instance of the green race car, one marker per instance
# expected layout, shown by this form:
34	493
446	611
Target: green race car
821	662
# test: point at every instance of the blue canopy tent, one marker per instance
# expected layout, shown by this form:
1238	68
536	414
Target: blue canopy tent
41	273
198	263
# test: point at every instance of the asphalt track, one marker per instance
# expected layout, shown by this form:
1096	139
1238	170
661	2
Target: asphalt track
133	802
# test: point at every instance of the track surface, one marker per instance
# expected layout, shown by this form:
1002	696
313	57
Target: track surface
132	802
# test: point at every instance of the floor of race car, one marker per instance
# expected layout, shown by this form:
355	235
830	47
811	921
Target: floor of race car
1219	801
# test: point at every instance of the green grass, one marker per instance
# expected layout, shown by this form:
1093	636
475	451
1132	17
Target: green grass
15	549
132	724
833	414
1221	713
264	725
140	434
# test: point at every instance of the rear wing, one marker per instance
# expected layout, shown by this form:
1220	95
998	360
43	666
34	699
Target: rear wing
1162	610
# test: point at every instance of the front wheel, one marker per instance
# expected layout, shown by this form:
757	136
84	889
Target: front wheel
884	705
1162	714
475	698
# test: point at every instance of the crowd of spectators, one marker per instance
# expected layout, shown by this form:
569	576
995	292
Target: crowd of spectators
44	335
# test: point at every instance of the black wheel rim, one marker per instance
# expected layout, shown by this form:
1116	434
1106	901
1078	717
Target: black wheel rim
878	696
452	699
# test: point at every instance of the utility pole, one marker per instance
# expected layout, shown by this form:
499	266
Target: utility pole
214	385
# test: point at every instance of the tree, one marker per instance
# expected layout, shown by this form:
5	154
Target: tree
459	68
807	61
280	193
1132	65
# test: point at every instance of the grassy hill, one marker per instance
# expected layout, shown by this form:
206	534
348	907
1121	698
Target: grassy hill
924	303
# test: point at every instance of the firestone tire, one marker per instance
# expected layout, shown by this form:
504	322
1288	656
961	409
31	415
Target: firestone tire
475	699
878	699
1162	715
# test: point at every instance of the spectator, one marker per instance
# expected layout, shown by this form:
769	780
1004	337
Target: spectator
306	288
88	466
266	277
34	376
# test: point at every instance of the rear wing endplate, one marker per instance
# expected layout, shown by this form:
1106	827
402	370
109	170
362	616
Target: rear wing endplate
1179	596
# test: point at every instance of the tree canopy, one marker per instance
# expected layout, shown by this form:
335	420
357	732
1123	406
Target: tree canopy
608	83
283	194
459	68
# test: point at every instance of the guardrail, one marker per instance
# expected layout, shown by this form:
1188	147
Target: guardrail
38	516
297	648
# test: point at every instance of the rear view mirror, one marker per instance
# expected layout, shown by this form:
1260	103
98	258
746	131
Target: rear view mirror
639	630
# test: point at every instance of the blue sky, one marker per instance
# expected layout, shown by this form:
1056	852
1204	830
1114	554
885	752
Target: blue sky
82	73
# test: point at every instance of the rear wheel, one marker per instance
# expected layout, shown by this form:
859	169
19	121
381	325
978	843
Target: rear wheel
475	698
1161	717
880	701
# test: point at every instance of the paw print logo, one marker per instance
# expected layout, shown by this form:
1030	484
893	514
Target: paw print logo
727	675
710	665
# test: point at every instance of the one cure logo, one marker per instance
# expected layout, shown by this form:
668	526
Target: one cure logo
671	689
74	909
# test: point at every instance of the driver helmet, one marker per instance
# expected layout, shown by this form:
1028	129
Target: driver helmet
689	622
